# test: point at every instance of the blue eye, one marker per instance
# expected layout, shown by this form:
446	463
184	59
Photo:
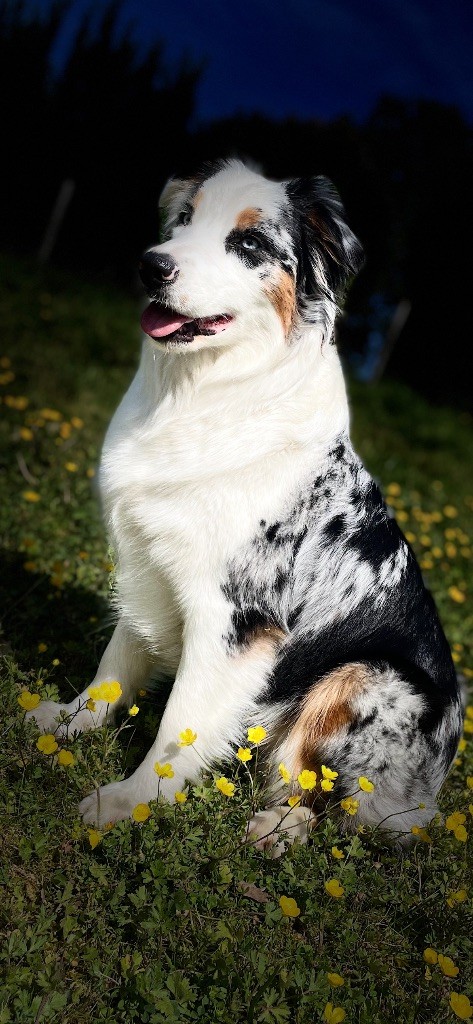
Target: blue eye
250	242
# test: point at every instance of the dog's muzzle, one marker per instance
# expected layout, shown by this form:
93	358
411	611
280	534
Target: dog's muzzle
157	269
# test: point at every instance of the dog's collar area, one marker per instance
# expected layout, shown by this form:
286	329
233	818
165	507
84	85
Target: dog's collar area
160	322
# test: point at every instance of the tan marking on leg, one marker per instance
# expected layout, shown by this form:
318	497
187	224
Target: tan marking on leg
248	218
326	709
282	295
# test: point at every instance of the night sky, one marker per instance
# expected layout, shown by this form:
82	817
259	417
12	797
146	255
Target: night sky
310	58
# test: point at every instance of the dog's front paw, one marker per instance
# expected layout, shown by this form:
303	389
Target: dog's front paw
110	803
47	716
277	827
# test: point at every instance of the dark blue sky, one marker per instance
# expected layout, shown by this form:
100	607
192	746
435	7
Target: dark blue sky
308	58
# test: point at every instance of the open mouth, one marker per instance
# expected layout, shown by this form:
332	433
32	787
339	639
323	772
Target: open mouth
159	322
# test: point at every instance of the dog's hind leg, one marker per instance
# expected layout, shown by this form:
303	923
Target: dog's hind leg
126	661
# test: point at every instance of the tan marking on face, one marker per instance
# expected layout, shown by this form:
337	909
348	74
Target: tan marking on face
248	218
197	199
282	295
326	710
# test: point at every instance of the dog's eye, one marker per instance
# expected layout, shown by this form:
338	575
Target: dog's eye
250	243
184	218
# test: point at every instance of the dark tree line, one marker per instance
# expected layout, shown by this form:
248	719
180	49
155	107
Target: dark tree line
119	128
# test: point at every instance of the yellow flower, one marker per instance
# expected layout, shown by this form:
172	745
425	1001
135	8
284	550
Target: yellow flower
256	734
335	979
450	511
462	745
165	771
94	837
421	833
456	594
90	473
42	648
457	897
461	1006
47	744
77	422
326	785
28	701
50	414
430	956
338	854
225	787
179	797
365	784
141	812
65	430
187	738
26	434
349	805
447	966
71	467
454	820
307	779
244	754
469	781
468	725
90	704
31	496
55	662
393	489
461	834
285	775
110	692
65	758
289	906
293	801
133	710
334	888
328	773
334	1014
469	711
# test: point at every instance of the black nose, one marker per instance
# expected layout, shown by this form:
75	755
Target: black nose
157	268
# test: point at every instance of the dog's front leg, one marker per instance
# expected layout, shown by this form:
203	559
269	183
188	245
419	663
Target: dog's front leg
214	695
126	661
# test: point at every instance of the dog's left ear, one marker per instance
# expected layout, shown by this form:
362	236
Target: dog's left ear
325	230
173	197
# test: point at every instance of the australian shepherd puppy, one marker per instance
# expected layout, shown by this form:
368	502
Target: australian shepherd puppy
256	560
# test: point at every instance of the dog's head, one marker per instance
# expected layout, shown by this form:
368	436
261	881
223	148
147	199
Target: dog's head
245	256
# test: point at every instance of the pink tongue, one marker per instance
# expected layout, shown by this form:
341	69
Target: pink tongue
158	322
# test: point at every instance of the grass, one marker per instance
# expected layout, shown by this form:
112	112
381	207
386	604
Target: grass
173	920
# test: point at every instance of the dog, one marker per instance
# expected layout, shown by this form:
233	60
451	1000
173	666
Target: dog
256	560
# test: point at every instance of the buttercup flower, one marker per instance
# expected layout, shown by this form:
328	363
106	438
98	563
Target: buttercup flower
94	837
456	594
447	966
225	787
365	784
289	906
334	1014
28	701
42	648
244	754
461	1006
335	979
31	496
430	956
47	744
417	830
110	692
256	734
457	897
90	704
180	798
141	812
133	710
326	785
338	854
307	779
165	771
293	801
327	773
349	805
334	888
65	758
187	738
285	775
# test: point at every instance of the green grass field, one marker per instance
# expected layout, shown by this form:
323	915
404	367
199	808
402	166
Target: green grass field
173	919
